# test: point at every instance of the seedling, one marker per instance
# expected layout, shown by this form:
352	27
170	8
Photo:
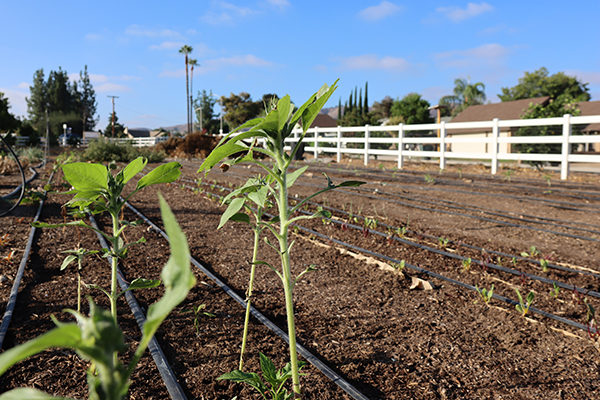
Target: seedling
371	223
400	266
460	173
429	179
401	231
523	306
545	260
466	264
548	178
533	252
78	255
198	313
274	128
4	240
443	242
96	190
98	338
276	379
555	290
507	175
486	295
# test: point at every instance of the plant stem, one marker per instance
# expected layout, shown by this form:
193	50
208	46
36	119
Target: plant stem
257	231
114	264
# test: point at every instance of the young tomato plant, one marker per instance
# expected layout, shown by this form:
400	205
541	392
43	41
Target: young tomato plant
273	129
97	338
77	255
96	190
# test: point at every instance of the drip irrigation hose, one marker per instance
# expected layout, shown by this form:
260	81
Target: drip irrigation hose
12	299
167	374
338	380
22	194
410	243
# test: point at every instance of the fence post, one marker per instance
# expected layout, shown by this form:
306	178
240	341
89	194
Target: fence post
316	142
339	144
494	146
367	144
400	146
566	147
443	145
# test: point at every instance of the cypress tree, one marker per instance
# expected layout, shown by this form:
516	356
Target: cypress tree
366	106
350	104
339	109
355	98
360	103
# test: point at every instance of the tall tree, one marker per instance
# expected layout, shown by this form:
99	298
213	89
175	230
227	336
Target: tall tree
412	109
206	102
382	108
350	104
87	101
194	63
8	122
185	50
540	83
37	102
366	105
355	105
239	109
360	102
465	94
119	128
339	110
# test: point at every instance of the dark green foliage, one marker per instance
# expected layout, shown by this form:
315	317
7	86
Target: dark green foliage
465	94
555	108
366	104
239	108
206	101
540	83
119	128
412	109
383	109
8	122
104	151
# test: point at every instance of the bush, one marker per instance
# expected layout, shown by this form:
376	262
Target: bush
105	151
193	145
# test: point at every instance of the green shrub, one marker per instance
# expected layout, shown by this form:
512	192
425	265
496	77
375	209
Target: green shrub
106	151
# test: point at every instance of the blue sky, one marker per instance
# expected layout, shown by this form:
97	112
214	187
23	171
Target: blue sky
290	47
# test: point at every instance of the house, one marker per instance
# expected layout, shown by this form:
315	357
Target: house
487	112
91	135
324	121
589	108
136	133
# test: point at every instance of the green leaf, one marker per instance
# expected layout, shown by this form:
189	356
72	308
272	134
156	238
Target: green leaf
311	112
176	276
133	168
141	283
220	153
251	378
162	174
235	206
67	335
240	217
38	224
259	197
29	394
322	214
291	177
269	371
351	183
285	111
68	260
84	176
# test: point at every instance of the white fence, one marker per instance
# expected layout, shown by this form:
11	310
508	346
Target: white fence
135	142
337	143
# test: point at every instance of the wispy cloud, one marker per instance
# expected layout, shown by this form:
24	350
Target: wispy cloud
111	88
376	13
500	28
281	4
373	62
93	36
219	64
591	77
457	14
167	46
138	30
490	55
224	13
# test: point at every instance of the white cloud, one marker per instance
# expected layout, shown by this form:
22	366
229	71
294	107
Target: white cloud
224	13
434	93
221	63
111	87
375	13
593	78
279	3
371	61
93	36
16	100
490	55
167	46
496	29
23	85
456	14
179	73
137	30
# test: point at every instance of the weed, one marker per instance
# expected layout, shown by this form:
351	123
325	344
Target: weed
555	290
400	266
507	175
429	179
77	255
198	313
443	242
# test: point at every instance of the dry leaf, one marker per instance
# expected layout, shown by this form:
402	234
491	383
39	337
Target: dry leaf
421	284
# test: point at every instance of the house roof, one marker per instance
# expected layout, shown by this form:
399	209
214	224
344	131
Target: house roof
324	121
590	108
137	133
487	112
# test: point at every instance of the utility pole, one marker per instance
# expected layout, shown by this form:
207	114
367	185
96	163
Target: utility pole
113	114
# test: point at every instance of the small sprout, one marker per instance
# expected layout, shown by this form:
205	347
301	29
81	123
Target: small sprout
514	261
198	312
555	290
532	252
400	266
443	242
548	178
466	264
507	175
524	306
544	264
429	179
499	260
486	295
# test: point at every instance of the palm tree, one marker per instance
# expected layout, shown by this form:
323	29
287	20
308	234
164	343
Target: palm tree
187	50
465	94
194	63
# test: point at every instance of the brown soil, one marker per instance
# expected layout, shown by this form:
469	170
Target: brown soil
387	340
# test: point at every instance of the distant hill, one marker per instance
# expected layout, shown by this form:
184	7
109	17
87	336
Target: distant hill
176	128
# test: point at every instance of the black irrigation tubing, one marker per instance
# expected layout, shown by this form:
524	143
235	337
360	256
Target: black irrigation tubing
550	265
328	372
442	277
34	175
173	387
12	299
22	186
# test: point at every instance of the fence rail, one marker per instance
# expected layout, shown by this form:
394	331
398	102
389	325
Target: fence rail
334	142
135	142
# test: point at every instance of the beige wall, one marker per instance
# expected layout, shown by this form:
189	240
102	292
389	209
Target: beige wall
477	147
